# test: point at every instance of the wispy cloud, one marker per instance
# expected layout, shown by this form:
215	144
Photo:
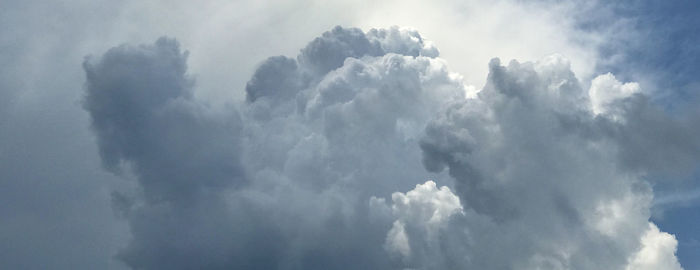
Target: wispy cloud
683	198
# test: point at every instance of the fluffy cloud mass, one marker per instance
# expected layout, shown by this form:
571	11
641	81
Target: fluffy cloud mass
326	165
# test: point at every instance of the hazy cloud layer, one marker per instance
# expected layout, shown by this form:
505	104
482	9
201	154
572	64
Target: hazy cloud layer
315	169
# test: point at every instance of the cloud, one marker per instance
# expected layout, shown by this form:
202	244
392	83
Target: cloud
422	215
657	252
295	177
56	197
573	190
140	101
606	89
293	170
684	197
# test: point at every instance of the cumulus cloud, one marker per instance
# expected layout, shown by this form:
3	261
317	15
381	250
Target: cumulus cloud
287	176
534	172
657	252
422	215
140	100
605	89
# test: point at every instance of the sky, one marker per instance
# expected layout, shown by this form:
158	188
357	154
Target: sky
349	134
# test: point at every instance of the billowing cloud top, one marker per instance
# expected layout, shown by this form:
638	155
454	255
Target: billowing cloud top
326	163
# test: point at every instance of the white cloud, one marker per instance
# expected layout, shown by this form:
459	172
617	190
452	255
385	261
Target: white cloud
657	252
422	217
397	240
605	89
425	208
426	205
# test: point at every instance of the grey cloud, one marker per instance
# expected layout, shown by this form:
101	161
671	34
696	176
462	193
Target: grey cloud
654	141
295	177
140	101
283	85
184	154
54	196
329	51
285	183
520	163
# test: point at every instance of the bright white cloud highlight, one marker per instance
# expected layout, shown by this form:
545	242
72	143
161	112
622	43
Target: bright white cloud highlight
605	89
657	252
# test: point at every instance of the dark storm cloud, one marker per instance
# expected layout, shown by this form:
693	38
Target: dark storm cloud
305	173
140	100
284	85
183	154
